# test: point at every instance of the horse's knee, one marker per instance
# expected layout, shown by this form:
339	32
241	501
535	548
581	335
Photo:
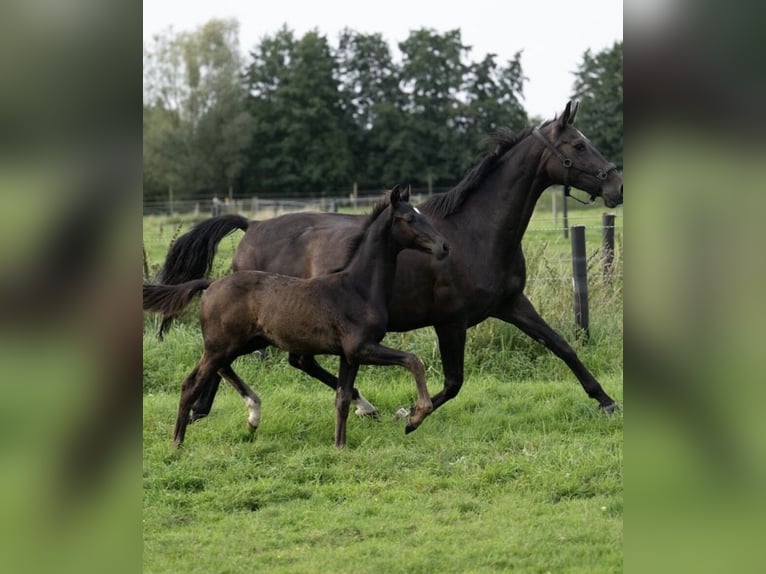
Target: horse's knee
452	388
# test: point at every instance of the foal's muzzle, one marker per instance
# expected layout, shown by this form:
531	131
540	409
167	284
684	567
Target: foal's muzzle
441	251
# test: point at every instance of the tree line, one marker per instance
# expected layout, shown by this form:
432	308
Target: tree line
302	116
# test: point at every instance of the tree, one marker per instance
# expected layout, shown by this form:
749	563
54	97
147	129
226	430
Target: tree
196	123
598	86
300	140
369	90
492	103
432	80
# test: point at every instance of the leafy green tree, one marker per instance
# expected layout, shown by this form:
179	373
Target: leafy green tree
598	86
369	90
300	139
196	125
432	80
492	103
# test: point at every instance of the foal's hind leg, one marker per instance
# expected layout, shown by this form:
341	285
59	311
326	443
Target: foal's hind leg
521	313
252	400
308	364
204	374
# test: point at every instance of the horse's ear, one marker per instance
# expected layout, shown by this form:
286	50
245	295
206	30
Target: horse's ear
568	116
574	113
405	195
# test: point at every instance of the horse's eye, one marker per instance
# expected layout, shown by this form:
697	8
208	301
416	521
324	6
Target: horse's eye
579	146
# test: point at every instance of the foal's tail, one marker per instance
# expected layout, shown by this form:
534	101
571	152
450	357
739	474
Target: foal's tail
191	255
171	300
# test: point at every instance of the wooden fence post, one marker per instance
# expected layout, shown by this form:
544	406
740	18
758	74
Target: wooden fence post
564	213
580	280
607	225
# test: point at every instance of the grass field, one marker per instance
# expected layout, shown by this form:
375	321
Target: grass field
519	473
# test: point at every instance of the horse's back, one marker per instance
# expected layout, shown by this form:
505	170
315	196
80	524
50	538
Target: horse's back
298	244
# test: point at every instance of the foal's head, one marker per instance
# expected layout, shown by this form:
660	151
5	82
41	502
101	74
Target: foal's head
410	229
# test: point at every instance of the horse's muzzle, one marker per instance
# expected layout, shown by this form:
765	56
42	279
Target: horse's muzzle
612	196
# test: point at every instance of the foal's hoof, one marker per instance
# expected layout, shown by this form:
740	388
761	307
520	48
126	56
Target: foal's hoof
403	413
409	428
610	409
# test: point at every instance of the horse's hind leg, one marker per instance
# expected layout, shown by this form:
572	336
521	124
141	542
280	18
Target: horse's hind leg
308	364
201	407
204	374
522	314
252	400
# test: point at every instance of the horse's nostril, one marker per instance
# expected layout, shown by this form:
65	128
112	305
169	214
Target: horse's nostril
445	247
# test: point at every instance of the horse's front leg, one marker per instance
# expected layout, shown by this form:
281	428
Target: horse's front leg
375	354
520	312
309	365
452	351
346	376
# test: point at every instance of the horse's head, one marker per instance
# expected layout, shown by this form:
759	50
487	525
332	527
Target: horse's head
571	159
410	229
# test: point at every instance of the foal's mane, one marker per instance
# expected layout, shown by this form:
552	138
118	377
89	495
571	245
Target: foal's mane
356	241
447	203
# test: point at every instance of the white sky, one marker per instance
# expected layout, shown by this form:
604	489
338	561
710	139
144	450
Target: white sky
552	34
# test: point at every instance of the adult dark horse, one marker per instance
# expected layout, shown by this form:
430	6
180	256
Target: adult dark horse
343	313
484	218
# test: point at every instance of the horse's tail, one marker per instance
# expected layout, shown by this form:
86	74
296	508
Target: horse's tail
171	300
191	255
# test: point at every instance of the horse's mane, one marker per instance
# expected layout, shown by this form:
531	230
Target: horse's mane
449	202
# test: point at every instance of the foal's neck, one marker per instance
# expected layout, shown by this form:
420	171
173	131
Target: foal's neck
373	265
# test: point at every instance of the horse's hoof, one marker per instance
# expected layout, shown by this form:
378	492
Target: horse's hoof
610	409
374	415
196	416
409	428
252	428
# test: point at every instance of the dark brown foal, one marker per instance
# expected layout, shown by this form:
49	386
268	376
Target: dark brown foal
344	313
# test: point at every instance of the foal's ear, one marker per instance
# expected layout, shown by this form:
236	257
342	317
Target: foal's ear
405	195
394	196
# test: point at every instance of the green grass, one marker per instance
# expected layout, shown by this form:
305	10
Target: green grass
519	473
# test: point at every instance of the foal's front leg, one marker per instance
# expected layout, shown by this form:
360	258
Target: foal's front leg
375	354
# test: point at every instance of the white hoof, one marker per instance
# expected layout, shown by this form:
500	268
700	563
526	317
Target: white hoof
254	413
364	408
402	413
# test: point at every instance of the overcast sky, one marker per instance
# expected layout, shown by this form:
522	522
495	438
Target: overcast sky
553	35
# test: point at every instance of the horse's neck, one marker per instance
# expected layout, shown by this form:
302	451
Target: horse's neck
503	204
373	265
